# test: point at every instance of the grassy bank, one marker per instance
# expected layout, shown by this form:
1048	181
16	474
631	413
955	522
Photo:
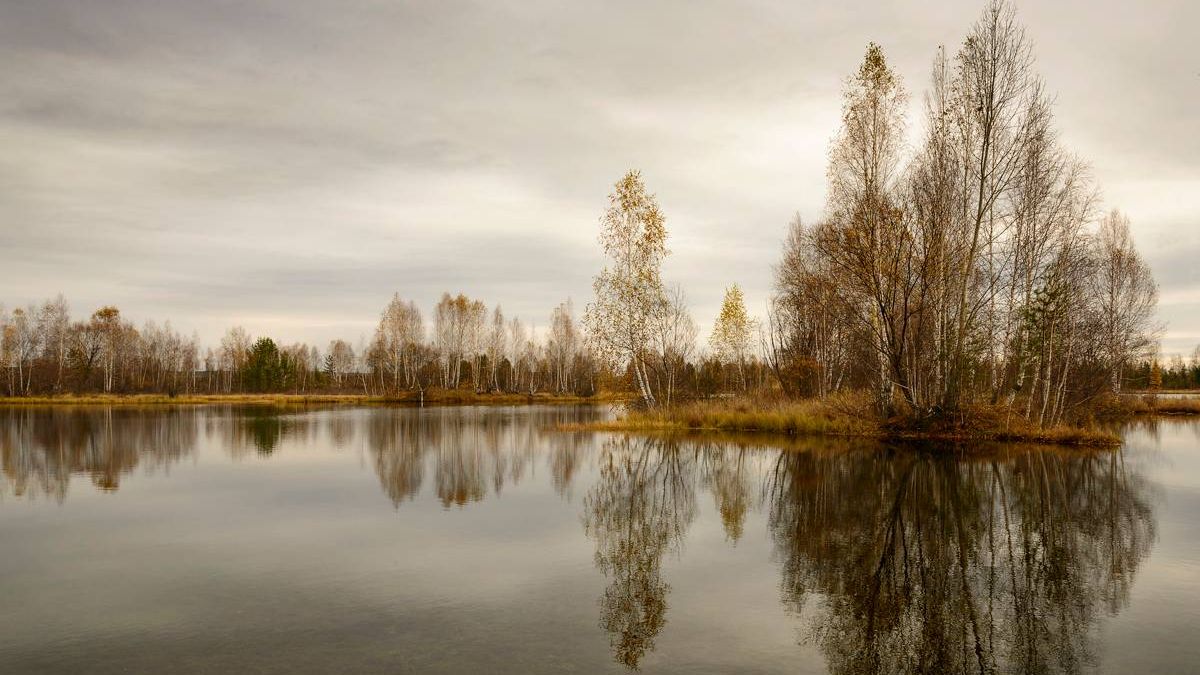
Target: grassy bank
846	416
1156	405
800	418
431	397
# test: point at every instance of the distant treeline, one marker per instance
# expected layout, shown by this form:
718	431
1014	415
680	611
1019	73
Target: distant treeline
1176	373
44	351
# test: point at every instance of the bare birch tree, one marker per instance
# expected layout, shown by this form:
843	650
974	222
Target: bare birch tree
676	344
561	346
1126	296
629	297
865	237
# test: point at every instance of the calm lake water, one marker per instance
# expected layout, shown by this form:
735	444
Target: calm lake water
480	540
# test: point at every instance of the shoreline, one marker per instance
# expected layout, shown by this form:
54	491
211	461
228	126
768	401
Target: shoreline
850	417
1058	436
834	418
406	399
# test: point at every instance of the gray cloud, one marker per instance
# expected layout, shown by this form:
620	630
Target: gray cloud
289	164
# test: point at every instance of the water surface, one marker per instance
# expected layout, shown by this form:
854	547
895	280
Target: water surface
213	539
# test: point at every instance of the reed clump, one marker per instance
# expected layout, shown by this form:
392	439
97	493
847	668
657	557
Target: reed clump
807	417
850	415
1161	405
1117	408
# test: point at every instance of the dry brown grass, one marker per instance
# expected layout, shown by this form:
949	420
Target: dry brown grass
1163	405
1176	406
1132	405
807	417
847	415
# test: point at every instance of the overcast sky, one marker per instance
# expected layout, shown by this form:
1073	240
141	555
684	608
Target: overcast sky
288	165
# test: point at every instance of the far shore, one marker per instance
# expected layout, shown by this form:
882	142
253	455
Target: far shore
430	397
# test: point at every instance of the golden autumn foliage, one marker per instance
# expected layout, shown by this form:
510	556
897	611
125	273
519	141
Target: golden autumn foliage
629	297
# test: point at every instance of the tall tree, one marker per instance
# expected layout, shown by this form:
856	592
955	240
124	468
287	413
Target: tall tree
561	345
458	324
339	361
865	237
993	89
1126	294
629	297
235	347
400	333
496	343
108	324
676	344
54	322
22	342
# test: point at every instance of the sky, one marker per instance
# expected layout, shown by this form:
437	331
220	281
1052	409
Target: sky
288	165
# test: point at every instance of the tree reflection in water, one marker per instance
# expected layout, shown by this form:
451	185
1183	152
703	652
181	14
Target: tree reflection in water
473	451
265	431
727	475
896	560
926	563
910	561
41	448
638	510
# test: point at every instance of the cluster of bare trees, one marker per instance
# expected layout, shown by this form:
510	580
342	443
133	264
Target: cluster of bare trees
42	350
465	346
969	271
468	345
